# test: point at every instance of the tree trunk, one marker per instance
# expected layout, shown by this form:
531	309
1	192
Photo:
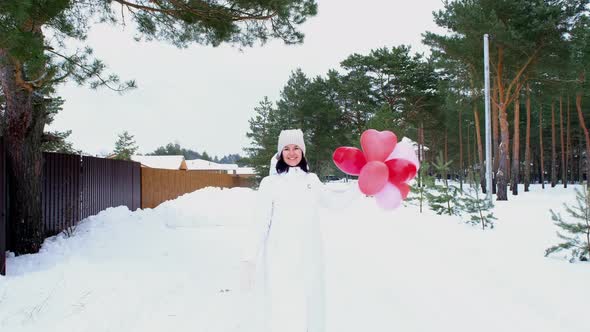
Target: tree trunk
542	162
553	149
534	169
482	170
446	147
527	144
430	154
508	158
580	159
495	145
568	159
420	180
469	164
446	151
460	150
25	120
516	148
584	129
504	157
502	194
422	157
505	97
562	143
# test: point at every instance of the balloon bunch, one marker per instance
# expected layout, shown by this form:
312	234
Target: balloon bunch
384	166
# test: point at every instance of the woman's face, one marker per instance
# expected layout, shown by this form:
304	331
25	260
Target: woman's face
292	155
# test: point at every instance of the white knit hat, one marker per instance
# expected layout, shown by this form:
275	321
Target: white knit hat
291	136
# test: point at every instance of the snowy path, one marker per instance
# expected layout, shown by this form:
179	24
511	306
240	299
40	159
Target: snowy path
177	268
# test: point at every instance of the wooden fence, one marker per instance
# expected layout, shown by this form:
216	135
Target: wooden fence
76	187
160	185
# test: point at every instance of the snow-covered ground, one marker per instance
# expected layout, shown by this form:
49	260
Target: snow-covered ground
177	268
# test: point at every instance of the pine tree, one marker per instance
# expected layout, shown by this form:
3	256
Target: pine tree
55	141
442	198
522	32
174	149
58	143
205	156
420	190
37	53
230	159
577	232
171	149
125	146
265	127
383	119
475	204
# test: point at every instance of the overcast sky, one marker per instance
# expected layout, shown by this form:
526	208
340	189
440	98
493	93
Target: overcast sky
202	97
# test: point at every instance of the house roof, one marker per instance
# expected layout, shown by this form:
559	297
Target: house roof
246	171
165	162
200	164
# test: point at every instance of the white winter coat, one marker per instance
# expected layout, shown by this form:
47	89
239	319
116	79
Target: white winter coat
290	266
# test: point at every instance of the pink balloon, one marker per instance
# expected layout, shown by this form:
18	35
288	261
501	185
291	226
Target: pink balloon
377	145
405	150
373	177
389	197
349	160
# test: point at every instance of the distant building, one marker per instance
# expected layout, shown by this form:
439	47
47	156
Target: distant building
246	171
164	162
206	165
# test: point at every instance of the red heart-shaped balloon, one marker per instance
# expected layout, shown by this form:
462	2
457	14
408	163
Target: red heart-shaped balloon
373	177
404	188
377	145
400	170
349	160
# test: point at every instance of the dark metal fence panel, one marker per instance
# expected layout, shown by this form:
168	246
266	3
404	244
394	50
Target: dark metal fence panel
3	196
74	188
109	183
136	186
90	186
61	192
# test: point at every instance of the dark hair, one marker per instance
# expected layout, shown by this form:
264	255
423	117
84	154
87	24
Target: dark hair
283	167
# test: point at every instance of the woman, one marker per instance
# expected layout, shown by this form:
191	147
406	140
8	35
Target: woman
290	275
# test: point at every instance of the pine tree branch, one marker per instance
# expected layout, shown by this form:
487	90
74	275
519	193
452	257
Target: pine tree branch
87	71
208	11
200	13
18	74
154	16
516	79
239	16
516	92
147	8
